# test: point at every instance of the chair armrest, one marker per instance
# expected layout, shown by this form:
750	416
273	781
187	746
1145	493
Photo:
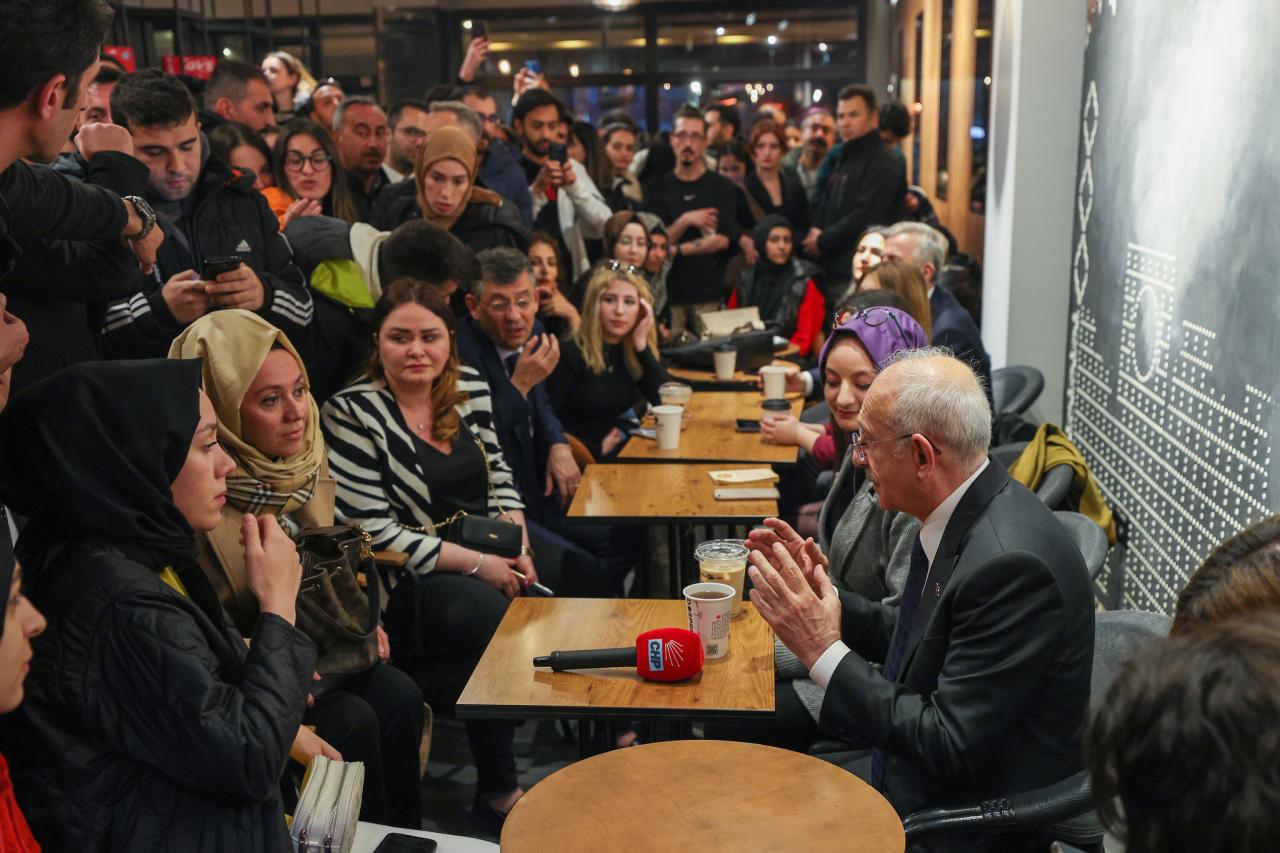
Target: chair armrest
391	559
1027	810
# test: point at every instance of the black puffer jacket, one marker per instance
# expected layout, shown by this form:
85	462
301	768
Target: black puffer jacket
146	726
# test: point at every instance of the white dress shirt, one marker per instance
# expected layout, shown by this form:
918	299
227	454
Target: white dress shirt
931	531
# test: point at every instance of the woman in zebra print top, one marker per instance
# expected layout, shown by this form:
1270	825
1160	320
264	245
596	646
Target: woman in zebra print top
410	445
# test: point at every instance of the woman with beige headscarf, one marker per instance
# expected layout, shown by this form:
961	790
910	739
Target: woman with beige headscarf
449	197
269	424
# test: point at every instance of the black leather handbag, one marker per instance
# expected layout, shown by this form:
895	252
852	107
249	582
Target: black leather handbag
339	615
479	532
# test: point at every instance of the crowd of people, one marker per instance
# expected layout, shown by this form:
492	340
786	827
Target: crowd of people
239	311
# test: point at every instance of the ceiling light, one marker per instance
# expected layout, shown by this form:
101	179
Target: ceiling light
751	19
226	51
504	66
822	46
666	87
573	70
696	87
817	95
769	87
737	38
572	44
986	81
466	25
719	31
772	40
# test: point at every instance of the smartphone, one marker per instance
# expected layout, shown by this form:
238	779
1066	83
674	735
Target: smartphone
479	29
214	267
533	65
558	152
748	425
398	842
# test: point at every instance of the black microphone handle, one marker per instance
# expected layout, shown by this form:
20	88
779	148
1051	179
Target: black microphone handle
588	659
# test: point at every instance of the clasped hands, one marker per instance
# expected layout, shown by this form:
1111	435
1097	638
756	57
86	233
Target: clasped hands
793	591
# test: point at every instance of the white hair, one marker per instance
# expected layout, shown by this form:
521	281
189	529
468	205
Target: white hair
930	247
951	410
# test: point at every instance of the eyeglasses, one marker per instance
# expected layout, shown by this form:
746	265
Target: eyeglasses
619	266
872	317
294	161
686	136
860	446
488	118
502	306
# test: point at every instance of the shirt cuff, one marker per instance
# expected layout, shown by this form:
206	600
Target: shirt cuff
827	663
807	377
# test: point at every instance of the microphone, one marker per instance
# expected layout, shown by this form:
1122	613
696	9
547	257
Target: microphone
663	654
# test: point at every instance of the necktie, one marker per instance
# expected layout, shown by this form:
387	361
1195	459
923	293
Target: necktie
898	645
510	362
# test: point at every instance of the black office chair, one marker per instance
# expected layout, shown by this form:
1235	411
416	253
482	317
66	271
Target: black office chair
1054	485
1015	389
1089	537
1065	808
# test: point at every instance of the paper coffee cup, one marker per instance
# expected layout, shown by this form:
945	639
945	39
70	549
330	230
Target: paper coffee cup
775	381
726	362
710	606
668	418
723	561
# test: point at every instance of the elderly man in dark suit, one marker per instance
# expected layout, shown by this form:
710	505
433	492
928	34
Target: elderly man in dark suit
986	663
502	338
953	328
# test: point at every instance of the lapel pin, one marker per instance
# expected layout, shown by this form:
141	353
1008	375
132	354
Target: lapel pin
937	590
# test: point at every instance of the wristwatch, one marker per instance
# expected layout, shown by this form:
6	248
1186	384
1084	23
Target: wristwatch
526	551
145	213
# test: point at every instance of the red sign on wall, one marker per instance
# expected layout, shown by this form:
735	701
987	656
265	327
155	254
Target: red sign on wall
200	67
123	54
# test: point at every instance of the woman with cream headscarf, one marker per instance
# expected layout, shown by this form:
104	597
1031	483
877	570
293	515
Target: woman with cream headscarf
448	196
270	426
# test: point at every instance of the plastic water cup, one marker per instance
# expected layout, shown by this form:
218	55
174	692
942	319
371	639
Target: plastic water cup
723	561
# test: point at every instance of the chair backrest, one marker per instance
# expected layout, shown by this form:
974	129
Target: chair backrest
1089	537
1117	634
1007	454
1055	485
581	454
1015	388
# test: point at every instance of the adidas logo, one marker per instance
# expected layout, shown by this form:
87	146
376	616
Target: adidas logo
244	246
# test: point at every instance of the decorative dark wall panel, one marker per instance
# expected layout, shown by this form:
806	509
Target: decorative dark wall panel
1173	355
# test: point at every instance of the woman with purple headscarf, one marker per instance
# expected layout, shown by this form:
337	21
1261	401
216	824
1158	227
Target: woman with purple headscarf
868	549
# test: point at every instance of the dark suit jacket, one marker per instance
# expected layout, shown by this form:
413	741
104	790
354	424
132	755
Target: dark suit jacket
954	328
513	414
995	678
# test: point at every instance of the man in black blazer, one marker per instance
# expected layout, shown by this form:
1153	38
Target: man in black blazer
987	662
502	339
926	248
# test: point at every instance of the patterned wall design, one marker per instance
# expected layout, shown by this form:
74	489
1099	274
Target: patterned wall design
1173	361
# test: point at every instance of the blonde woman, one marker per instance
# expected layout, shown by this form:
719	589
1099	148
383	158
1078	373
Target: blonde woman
610	363
905	280
289	80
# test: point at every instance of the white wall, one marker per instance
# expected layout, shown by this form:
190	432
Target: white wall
1038	71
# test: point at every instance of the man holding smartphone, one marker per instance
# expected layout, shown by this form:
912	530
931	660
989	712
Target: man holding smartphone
223	246
566	203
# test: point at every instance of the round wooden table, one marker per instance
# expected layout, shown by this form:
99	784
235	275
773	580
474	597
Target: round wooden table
702	795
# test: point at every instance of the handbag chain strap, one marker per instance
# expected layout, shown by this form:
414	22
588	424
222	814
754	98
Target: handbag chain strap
433	529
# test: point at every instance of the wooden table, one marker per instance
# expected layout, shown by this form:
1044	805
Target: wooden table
506	685
712	434
704	796
706	380
677	495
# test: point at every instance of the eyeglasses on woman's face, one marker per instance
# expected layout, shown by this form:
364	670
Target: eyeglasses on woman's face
295	161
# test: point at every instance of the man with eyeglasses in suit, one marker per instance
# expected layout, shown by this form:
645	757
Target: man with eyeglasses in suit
502	338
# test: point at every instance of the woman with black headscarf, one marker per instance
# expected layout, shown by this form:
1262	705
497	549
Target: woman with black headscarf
148	724
782	287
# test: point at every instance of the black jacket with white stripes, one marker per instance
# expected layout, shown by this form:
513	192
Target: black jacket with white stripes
381	483
223	216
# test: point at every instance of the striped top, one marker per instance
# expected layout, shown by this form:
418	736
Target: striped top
381	484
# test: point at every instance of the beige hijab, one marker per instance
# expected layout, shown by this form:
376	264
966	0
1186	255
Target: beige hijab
451	143
233	345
